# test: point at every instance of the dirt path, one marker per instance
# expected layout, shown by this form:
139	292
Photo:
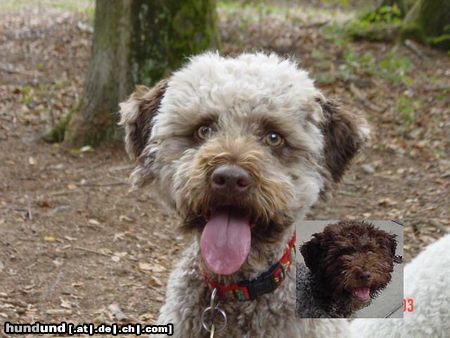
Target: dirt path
74	240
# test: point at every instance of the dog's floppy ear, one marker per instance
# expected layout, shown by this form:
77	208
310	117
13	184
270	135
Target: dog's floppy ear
312	252
389	241
136	116
393	248
344	134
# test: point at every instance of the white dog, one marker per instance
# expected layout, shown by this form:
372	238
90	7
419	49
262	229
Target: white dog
240	148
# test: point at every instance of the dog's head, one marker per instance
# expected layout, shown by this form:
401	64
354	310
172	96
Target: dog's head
353	259
239	147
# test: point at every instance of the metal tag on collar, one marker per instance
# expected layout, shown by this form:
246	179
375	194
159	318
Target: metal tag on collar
211	313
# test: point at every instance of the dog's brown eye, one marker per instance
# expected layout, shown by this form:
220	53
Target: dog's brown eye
273	139
204	132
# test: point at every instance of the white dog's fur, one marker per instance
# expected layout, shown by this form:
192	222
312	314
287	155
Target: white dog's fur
240	95
427	282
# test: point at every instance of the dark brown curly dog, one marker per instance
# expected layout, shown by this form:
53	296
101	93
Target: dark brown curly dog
349	263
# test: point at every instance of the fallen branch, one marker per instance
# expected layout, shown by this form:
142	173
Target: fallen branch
29	214
435	89
62	192
361	97
314	25
103	184
413	47
9	69
121	167
90	250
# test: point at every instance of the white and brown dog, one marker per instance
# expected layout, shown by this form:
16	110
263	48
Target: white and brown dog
240	148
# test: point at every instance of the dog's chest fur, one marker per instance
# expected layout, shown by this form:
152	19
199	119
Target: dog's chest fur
268	315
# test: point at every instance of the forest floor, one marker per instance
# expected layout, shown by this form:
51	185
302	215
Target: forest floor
74	240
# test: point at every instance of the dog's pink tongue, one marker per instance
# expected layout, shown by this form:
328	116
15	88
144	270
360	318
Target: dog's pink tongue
362	293
225	242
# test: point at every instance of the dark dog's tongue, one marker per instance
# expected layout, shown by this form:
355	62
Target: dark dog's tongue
362	293
225	241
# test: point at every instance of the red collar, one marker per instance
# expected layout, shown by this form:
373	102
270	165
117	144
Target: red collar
267	282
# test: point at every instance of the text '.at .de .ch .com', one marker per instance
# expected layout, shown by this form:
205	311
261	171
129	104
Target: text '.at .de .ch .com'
87	328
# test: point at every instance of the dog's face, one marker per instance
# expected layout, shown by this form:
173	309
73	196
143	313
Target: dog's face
239	147
353	259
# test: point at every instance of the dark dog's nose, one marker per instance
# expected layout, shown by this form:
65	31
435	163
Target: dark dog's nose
365	275
230	178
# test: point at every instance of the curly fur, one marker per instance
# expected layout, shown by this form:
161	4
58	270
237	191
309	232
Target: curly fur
427	282
338	260
241	99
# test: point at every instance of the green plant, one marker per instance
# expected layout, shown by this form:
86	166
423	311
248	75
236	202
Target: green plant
27	94
336	33
382	24
356	64
395	69
388	14
406	108
392	67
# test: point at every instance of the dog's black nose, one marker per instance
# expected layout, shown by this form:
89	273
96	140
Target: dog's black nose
365	275
230	178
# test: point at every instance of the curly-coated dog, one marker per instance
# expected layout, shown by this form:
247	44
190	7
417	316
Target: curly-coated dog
240	148
347	265
427	298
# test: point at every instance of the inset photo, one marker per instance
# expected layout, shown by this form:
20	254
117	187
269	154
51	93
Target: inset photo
349	269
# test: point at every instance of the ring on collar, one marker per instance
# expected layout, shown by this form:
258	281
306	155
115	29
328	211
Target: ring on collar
211	312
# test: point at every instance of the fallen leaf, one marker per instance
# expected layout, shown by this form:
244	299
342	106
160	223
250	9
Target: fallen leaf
147	317
117	312
119	236
157	268
125	218
155	281
368	169
151	267
65	304
57	262
145	266
427	239
86	149
44	204
386	202
60	209
106	251
58	312
49	238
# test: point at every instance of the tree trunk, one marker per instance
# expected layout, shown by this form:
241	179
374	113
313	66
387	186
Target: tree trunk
429	21
435	19
135	41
